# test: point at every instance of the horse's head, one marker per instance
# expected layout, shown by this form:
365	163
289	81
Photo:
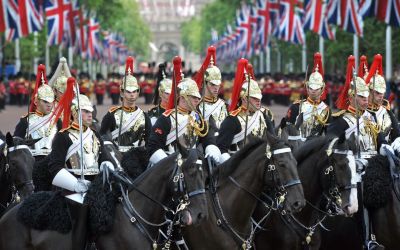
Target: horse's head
291	134
281	175
189	189
20	164
339	178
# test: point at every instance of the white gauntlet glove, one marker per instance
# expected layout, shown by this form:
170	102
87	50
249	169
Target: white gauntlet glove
213	152
107	164
396	145
383	149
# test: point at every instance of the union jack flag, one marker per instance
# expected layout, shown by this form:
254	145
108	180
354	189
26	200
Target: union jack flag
333	12
82	34
316	19
57	12
93	41
268	15
23	18
351	19
389	12
291	26
367	8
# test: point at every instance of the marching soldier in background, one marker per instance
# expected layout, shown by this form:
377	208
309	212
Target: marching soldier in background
64	163
114	88
128	124
353	102
183	125
161	95
100	88
59	79
39	123
313	113
208	78
85	86
234	128
380	107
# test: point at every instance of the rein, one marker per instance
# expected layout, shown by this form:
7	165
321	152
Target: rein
222	220
15	197
181	195
333	197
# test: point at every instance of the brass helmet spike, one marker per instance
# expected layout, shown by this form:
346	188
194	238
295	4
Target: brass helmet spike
42	79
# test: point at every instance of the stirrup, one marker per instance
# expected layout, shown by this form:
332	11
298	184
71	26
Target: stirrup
374	245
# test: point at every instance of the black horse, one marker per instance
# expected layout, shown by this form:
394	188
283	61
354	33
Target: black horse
16	164
137	218
234	190
381	198
327	170
291	133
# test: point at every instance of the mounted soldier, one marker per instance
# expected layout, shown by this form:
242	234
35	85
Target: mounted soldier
181	126
161	95
59	79
39	123
354	119
246	116
379	106
312	113
128	124
208	78
74	162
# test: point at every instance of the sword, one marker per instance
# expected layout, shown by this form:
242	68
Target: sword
122	113
80	130
29	103
357	114
301	93
248	106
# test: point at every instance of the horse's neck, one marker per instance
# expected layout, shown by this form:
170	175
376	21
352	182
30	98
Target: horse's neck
154	185
237	204
309	174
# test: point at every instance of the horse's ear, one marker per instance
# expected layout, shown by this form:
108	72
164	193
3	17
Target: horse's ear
282	125
9	140
299	121
31	142
271	139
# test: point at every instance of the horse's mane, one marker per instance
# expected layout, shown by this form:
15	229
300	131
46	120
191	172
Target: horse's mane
226	168
192	157
310	147
135	161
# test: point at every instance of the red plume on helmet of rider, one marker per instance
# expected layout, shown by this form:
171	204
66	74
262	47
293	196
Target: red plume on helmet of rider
64	105
210	58
363	67
343	100
46	91
240	78
177	77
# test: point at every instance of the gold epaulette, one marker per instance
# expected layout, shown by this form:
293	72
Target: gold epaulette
168	112
297	101
386	104
339	113
26	114
65	129
235	112
112	109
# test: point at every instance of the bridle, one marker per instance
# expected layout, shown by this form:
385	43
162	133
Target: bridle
332	195
181	198
270	169
16	187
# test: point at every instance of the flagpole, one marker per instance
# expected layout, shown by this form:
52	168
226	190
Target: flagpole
321	48
35	49
261	58
268	59
47	57
17	56
304	56
70	56
355	48
59	51
388	63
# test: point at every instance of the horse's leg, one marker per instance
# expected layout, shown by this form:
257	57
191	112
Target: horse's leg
13	234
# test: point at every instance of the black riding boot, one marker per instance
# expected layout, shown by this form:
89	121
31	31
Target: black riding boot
79	213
